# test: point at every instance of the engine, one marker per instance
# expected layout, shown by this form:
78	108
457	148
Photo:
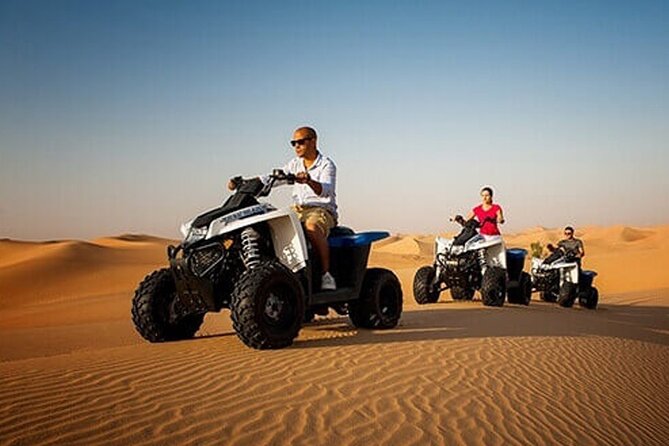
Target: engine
546	280
462	270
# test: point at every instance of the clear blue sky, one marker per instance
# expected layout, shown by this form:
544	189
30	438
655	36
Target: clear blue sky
129	116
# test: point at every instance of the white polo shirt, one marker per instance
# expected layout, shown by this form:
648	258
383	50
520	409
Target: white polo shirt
325	172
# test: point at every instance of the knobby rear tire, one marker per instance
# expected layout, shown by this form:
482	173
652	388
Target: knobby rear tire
380	301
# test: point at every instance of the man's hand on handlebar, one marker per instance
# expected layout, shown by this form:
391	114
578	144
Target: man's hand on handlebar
302	177
233	183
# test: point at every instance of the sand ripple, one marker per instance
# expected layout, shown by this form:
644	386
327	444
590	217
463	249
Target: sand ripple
510	390
73	371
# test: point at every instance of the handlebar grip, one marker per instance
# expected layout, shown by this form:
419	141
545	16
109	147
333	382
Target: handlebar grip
236	181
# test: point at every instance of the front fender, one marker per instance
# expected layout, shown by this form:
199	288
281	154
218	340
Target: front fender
288	239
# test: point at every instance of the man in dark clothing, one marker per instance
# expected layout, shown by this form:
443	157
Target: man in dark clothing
571	245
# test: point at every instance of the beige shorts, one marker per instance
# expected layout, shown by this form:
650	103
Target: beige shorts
318	216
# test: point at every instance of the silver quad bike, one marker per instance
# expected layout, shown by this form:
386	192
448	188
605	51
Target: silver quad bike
559	278
472	261
255	260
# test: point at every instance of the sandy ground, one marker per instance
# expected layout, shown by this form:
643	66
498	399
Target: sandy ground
73	370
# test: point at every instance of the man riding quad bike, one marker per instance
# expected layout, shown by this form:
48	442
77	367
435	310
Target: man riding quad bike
471	261
559	278
254	259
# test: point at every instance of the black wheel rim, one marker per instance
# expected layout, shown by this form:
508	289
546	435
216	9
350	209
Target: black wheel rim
278	308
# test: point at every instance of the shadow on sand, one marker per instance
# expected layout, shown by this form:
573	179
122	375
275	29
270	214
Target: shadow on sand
437	321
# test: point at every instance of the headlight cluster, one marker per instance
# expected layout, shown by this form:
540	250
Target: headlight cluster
196	234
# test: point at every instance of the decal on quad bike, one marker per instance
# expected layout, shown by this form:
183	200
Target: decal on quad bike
246	212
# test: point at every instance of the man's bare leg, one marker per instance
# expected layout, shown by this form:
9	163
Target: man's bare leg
320	242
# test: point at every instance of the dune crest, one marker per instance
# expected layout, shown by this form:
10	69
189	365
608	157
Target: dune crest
34	272
407	245
632	235
132	241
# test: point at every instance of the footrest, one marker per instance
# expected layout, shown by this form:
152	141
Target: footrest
328	297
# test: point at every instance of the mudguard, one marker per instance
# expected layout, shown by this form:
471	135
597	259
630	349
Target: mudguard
568	270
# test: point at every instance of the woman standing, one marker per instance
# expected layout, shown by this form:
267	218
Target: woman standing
488	214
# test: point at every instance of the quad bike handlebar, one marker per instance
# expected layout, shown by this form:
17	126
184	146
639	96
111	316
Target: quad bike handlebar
552	248
556	251
471	223
256	187
280	175
276	175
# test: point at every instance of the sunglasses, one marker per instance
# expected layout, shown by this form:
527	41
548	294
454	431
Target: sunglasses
299	142
568	233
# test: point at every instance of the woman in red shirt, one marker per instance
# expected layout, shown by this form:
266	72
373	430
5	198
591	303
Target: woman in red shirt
488	214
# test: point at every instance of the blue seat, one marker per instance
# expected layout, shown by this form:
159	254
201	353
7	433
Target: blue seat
515	259
516	253
586	278
359	239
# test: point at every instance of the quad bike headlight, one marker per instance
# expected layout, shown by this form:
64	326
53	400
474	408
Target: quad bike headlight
196	234
185	228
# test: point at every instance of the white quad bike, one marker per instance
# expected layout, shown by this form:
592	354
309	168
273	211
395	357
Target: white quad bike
558	278
472	261
255	260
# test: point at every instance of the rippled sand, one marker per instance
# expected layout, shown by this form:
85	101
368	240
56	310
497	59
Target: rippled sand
73	371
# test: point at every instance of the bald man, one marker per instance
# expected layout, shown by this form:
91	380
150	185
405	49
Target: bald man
314	196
